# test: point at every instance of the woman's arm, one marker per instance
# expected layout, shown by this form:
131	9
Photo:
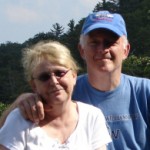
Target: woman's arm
6	112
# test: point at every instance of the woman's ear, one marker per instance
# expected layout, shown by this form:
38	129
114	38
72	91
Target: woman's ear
74	74
33	86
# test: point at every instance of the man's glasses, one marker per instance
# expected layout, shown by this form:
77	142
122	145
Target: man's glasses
45	76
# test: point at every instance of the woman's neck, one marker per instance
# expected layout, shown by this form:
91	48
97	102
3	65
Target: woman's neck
61	127
60	113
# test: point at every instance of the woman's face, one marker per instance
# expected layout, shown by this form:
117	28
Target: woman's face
54	83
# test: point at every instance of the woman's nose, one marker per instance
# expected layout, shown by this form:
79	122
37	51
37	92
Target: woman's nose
53	79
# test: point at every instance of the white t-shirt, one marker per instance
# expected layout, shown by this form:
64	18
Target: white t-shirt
90	133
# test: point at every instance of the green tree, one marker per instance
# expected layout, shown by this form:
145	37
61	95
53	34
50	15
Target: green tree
3	107
57	30
137	66
111	5
71	39
11	72
137	14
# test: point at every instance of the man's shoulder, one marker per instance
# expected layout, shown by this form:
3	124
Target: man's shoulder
81	79
134	80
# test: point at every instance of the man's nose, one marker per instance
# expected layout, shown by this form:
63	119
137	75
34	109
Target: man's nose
103	45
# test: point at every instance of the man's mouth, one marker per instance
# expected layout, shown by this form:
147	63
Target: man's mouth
102	57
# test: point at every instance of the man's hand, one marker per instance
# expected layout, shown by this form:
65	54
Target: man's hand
31	106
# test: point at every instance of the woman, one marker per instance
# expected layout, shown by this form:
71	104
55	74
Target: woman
51	71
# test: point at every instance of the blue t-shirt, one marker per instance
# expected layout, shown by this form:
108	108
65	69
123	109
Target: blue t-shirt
126	108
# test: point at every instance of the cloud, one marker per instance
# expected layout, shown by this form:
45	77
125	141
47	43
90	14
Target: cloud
19	14
21	19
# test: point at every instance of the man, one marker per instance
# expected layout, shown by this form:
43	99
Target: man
124	100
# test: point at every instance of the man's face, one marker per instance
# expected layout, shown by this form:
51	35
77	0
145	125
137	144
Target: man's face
104	51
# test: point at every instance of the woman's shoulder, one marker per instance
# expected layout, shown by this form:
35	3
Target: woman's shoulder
15	114
87	108
16	117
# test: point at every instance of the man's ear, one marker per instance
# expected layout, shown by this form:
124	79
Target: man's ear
81	50
126	51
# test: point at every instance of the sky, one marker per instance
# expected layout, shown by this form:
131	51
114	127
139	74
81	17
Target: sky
22	19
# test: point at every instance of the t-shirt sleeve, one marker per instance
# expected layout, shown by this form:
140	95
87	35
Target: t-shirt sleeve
13	132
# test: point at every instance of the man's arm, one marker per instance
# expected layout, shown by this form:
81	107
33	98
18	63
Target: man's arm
30	106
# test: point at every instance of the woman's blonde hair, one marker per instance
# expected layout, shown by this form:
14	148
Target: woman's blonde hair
53	51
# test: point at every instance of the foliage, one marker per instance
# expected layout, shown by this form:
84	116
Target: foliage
137	66
111	5
136	14
58	30
3	107
11	72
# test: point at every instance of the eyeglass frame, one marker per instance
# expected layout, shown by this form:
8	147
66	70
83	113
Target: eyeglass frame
50	74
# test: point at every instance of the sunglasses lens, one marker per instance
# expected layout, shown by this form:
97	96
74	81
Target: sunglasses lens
60	73
44	77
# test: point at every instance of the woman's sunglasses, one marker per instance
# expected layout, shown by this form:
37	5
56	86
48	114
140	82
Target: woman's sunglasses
45	76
